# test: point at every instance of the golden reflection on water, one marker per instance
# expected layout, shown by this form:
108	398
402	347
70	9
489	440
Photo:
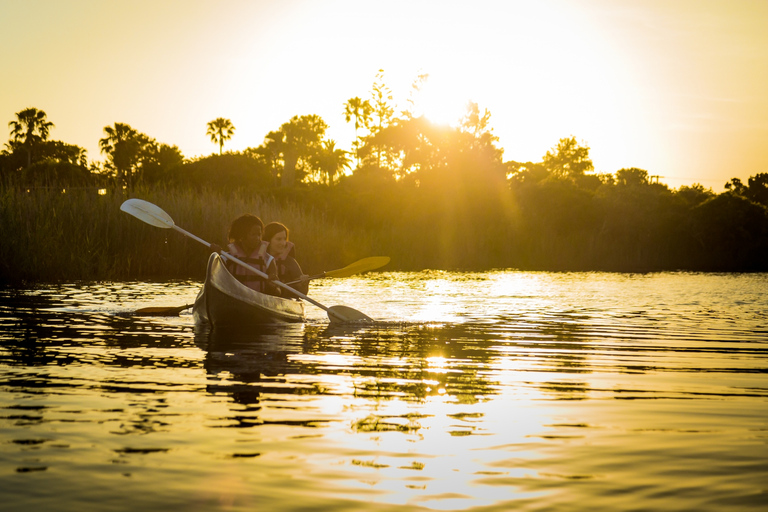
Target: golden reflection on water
437	304
494	391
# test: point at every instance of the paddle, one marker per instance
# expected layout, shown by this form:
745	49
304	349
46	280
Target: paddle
363	265
162	310
156	216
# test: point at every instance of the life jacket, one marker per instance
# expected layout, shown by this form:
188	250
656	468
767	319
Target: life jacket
288	269
288	252
242	274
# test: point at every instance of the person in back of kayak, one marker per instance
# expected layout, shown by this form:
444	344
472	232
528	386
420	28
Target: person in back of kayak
245	244
284	252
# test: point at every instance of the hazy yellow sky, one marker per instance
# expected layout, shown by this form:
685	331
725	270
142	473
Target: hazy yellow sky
676	87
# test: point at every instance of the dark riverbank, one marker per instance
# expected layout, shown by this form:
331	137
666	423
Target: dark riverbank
49	235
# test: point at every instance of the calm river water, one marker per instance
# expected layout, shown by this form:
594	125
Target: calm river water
474	391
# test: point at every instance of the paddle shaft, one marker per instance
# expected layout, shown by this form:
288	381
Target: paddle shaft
363	265
155	216
316	276
262	274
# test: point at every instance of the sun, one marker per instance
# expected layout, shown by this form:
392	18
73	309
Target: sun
441	102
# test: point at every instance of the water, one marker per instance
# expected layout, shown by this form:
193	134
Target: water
481	391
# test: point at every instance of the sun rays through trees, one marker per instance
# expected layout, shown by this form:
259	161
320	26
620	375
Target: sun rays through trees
430	195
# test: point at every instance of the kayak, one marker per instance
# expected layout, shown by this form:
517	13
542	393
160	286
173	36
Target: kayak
223	300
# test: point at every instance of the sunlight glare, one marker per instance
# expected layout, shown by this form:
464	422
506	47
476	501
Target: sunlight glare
442	103
441	305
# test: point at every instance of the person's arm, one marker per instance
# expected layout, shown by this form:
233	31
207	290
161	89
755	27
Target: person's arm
270	287
293	272
303	284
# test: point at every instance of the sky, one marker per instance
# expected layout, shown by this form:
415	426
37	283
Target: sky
676	87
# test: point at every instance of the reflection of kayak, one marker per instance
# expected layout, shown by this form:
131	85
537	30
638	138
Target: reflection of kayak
223	300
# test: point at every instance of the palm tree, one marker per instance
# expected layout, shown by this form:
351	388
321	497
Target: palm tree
359	110
122	145
331	161
220	129
30	128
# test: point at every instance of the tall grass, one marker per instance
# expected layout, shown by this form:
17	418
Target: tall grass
50	236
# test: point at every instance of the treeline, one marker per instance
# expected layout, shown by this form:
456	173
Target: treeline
429	196
539	219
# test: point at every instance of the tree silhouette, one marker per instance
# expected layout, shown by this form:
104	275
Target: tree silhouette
475	123
359	110
632	177
299	141
568	159
412	108
694	195
220	130
245	171
758	188
159	162
732	232
382	114
30	128
330	162
271	152
123	146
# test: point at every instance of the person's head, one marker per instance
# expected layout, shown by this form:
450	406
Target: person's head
246	231
277	236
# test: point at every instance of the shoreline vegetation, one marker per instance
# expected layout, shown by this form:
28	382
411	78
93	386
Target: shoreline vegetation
52	235
428	196
82	235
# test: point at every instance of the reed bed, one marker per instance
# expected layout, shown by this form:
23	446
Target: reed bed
79	235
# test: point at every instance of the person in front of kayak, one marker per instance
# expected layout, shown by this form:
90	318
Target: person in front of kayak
284	252
245	244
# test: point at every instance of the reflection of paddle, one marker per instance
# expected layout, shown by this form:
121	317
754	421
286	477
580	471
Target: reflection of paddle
363	265
156	216
162	310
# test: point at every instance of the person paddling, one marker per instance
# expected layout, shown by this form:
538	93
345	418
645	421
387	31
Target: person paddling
245	244
284	253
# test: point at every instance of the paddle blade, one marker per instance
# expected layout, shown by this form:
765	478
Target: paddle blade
363	265
147	212
162	310
345	314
